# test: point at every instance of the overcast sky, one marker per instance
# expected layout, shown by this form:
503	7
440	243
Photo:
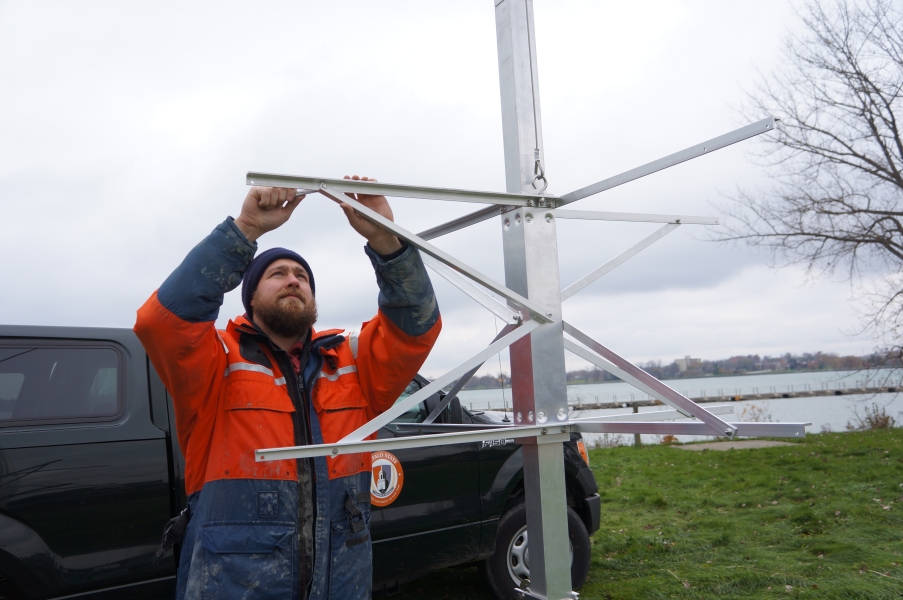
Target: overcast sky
126	130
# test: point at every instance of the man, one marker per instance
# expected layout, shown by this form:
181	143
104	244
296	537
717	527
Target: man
281	529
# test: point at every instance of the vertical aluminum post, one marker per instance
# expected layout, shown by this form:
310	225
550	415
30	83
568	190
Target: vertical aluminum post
531	268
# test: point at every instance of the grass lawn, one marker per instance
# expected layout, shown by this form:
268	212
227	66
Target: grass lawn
820	519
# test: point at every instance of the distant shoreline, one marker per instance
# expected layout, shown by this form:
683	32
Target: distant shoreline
578	382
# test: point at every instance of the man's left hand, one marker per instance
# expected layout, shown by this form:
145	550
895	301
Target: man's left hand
382	241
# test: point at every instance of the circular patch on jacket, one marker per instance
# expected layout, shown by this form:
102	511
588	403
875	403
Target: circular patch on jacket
387	478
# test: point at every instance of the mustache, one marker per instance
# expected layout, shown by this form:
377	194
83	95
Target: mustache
290	294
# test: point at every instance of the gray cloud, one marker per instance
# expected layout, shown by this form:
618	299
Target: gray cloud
126	130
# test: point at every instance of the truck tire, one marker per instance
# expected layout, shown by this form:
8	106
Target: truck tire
509	564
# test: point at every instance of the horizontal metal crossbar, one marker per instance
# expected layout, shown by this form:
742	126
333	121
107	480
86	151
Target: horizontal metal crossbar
593	215
617	261
402	406
795	430
640	379
396	190
535	311
559	433
488	302
655	415
738	135
556	432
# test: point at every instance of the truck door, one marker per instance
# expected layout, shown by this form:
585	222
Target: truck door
83	471
429	519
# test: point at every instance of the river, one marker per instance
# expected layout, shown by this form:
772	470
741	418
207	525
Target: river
824	412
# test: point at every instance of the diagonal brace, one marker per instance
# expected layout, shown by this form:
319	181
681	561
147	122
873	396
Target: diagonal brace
617	261
462	382
437	384
502	311
535	311
466	221
738	135
640	379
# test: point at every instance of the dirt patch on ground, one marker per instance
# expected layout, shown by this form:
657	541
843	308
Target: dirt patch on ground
738	444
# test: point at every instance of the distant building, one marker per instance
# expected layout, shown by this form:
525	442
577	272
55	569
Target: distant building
688	363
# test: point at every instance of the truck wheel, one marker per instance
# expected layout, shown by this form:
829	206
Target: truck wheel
510	563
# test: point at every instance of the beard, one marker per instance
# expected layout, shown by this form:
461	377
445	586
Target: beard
286	317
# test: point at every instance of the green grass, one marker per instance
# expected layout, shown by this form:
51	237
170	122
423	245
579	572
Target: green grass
824	517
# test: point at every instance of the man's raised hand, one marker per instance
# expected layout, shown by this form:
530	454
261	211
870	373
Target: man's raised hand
265	209
382	241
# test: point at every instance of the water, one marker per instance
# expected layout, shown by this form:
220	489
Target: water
824	412
701	387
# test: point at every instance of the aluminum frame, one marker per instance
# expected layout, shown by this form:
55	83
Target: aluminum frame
532	292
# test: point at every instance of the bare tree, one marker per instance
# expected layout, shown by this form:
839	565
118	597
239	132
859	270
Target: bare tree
835	202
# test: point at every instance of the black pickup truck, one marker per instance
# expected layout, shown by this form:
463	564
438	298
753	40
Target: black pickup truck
90	471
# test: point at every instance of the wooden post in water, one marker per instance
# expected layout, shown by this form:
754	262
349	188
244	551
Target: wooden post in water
636	437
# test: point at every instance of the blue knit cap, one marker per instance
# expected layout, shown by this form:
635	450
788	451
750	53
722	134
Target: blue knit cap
260	263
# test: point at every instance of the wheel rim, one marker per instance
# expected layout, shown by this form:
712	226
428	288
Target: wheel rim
518	556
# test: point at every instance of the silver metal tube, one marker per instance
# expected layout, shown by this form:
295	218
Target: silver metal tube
535	311
794	430
466	221
552	433
462	283
592	215
616	261
642	380
530	246
556	432
399	191
652	415
437	384
706	147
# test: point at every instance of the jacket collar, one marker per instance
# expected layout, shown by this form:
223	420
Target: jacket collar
243	325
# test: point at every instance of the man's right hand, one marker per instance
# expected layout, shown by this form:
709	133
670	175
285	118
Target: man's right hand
265	209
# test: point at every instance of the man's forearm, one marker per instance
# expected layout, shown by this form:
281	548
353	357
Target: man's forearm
194	291
406	294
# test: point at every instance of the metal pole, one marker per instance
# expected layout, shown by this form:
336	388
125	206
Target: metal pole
636	437
530	246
